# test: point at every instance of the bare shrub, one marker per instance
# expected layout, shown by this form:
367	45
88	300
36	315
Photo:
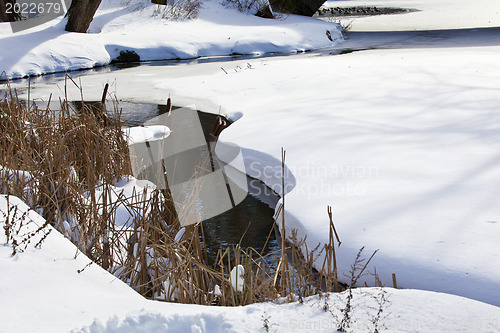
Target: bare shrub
357	271
177	9
20	229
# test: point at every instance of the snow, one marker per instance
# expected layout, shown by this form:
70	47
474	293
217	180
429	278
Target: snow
400	138
39	279
140	134
46	283
127	192
236	277
179	234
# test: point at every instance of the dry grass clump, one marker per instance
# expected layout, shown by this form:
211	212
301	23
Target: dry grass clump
65	163
53	161
58	152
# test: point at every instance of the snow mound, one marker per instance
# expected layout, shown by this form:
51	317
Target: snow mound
146	133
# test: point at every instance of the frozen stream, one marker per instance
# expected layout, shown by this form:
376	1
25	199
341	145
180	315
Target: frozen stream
429	192
355	41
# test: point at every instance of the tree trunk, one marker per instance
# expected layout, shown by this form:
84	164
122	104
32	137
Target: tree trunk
298	7
8	17
80	14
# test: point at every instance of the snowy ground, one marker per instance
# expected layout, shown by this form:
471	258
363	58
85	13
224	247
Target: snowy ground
42	291
401	140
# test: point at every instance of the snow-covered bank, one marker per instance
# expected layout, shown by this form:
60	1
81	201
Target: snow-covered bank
118	27
42	291
38	279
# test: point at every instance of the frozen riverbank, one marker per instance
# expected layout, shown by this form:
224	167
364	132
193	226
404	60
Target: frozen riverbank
120	28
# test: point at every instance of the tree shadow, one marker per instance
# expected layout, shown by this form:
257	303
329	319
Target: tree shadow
23	45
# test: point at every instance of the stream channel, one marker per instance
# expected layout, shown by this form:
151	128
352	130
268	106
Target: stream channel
247	218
